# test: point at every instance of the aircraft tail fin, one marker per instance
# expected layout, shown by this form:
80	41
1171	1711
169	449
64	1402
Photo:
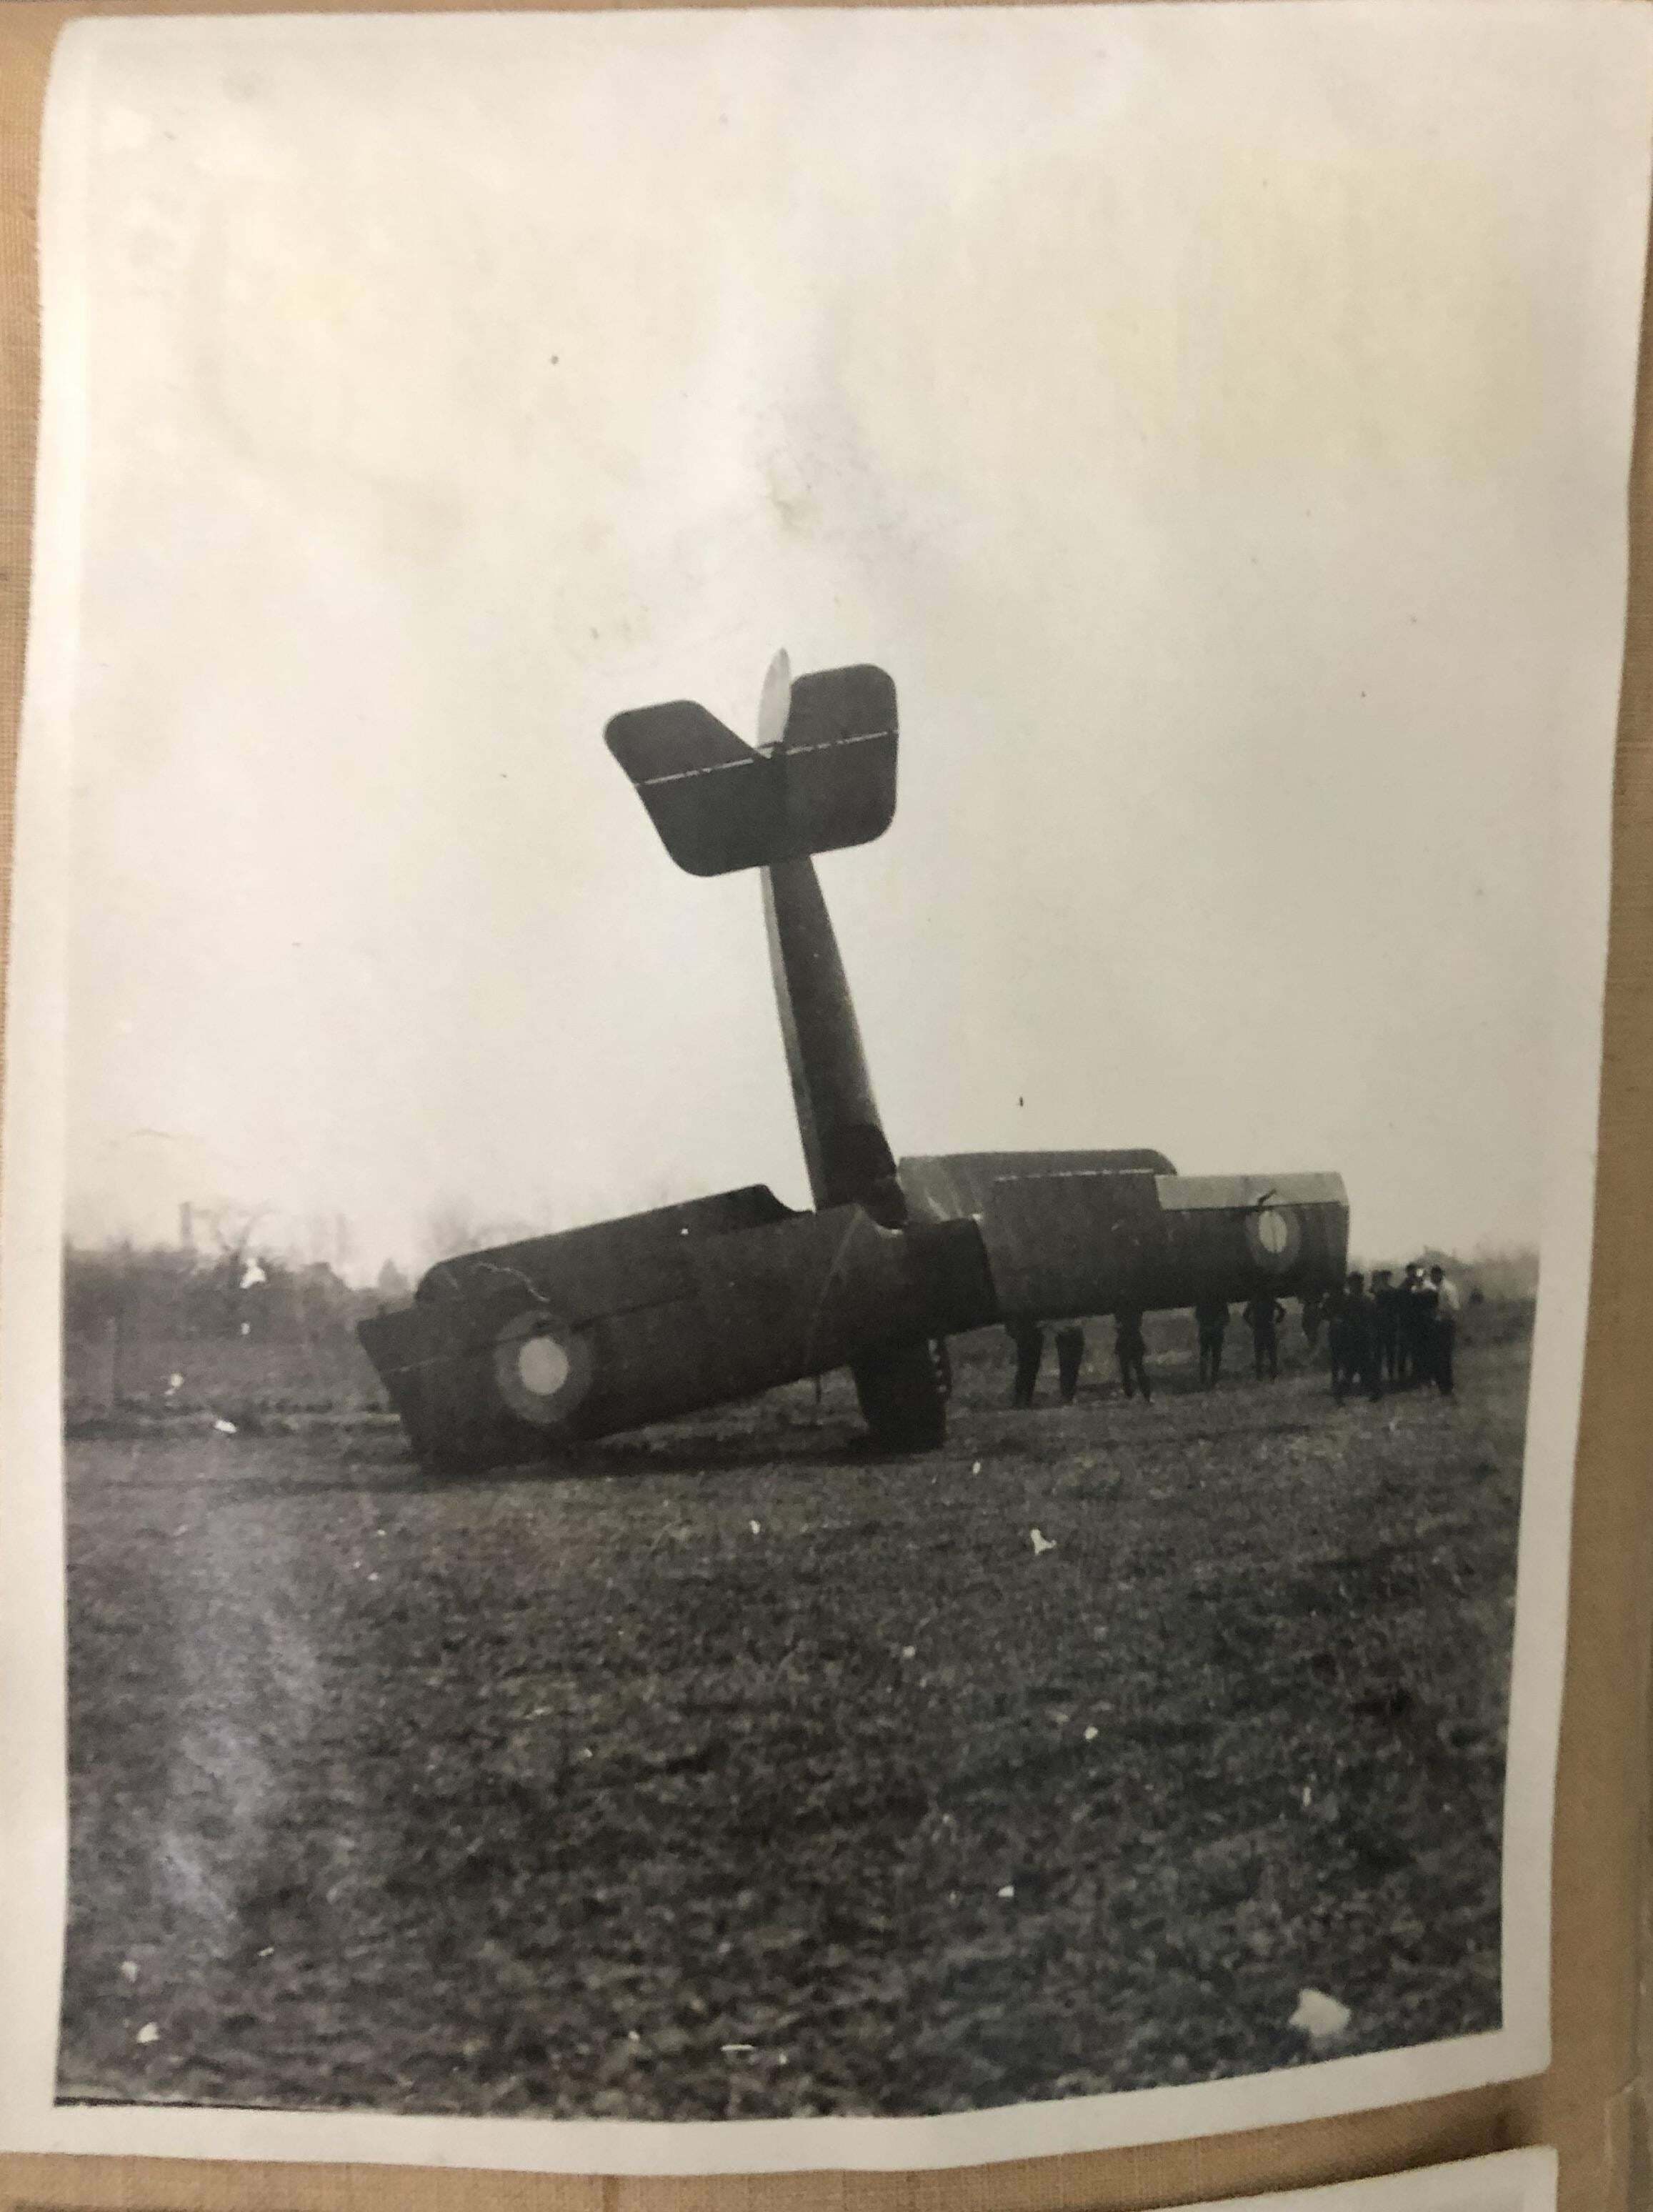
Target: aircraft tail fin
827	780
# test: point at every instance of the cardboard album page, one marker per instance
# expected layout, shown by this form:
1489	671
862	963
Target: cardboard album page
805	999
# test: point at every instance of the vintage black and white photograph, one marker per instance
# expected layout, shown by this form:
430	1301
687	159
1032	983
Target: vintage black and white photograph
811	902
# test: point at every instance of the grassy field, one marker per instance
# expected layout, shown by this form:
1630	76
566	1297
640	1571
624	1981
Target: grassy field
733	1773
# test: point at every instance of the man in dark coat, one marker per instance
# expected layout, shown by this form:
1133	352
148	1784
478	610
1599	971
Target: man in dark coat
1425	1298
1337	1338
1355	1356
1263	1316
1411	1327
1028	1336
1386	1298
1210	1319
1131	1350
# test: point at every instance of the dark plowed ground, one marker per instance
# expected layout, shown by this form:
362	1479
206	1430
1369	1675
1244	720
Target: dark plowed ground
733	1773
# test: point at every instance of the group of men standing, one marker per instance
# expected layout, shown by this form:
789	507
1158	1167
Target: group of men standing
1130	1350
1394	1334
1262	1316
1397	1334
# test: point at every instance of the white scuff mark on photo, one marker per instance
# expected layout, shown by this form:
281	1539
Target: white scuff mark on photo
1320	2017
225	1428
1042	1543
149	2033
1009	1890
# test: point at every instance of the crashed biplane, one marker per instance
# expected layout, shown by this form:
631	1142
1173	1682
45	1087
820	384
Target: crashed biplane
504	1354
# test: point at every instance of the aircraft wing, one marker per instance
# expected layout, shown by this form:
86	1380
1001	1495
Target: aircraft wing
1072	1233
504	1353
594	1270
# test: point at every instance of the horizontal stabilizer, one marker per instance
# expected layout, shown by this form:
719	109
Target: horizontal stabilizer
720	806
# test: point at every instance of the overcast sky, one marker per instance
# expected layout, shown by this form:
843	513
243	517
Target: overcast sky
1214	419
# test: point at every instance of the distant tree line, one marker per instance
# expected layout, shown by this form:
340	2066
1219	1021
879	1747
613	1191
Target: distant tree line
170	1293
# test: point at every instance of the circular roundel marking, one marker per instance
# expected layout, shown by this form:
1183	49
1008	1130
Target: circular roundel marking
543	1367
1274	1237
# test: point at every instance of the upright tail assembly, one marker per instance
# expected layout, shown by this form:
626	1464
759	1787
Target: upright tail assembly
822	776
504	1353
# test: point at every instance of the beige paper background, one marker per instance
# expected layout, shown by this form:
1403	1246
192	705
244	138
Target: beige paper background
1591	2103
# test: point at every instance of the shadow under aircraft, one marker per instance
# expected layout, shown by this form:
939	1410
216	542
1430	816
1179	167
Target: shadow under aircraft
505	1353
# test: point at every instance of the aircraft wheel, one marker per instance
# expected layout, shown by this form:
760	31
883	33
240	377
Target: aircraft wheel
900	1397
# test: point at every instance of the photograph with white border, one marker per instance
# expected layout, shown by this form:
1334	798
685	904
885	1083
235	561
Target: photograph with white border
804	1028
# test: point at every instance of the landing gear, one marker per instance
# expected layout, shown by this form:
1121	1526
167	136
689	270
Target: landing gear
900	1396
